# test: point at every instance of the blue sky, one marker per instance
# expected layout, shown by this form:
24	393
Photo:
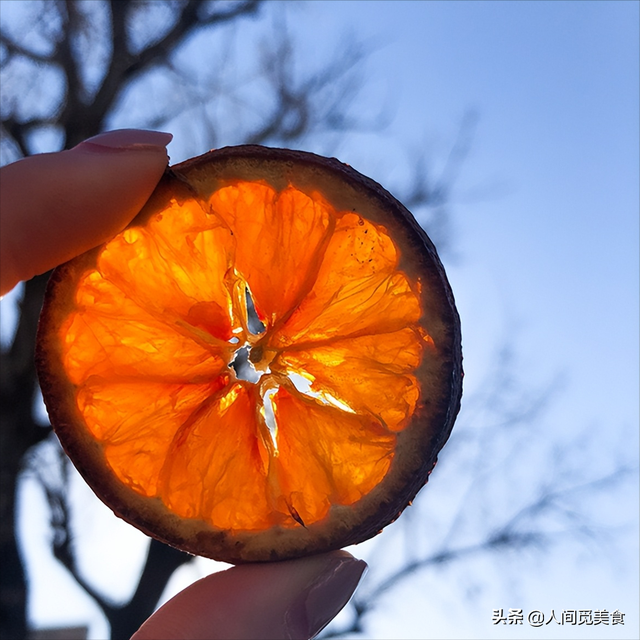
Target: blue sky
545	229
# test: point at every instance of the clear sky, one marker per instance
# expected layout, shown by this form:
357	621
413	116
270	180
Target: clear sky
545	232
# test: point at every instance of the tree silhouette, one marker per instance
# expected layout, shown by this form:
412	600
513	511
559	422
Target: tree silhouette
59	49
68	68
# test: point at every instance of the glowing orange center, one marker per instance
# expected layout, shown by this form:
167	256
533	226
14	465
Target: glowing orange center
162	316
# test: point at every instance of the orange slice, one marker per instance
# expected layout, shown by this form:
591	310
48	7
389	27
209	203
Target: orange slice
353	377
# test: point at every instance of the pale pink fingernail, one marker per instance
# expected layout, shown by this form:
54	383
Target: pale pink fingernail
324	598
127	140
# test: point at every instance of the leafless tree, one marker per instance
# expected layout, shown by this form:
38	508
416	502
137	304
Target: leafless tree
70	69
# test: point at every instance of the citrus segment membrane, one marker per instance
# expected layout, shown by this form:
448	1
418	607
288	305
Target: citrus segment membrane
369	374
246	355
178	272
218	465
135	420
110	335
330	456
150	341
280	239
358	289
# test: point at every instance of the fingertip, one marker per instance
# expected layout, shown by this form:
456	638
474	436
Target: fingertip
326	595
55	206
126	140
292	599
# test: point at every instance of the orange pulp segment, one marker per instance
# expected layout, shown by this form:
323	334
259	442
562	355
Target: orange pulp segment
161	315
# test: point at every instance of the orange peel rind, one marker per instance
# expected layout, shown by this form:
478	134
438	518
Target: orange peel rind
339	300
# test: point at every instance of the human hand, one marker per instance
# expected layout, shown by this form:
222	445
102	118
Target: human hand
55	206
58	205
292	599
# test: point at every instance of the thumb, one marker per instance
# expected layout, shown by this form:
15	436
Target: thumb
292	599
55	206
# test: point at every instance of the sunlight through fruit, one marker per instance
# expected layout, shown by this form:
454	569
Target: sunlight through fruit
263	365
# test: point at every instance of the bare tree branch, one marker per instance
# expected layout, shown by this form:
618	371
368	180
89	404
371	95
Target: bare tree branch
50	467
17	132
66	61
15	48
126	66
507	537
191	16
301	105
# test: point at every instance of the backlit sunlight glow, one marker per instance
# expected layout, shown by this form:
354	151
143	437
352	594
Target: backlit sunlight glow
197	316
267	413
303	384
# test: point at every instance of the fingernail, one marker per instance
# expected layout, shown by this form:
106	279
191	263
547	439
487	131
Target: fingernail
127	140
324	598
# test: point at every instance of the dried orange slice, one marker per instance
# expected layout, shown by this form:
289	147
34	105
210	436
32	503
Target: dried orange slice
353	376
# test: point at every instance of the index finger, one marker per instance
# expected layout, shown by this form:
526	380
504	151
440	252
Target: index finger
55	206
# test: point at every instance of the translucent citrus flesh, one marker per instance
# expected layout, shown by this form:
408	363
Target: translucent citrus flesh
159	320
